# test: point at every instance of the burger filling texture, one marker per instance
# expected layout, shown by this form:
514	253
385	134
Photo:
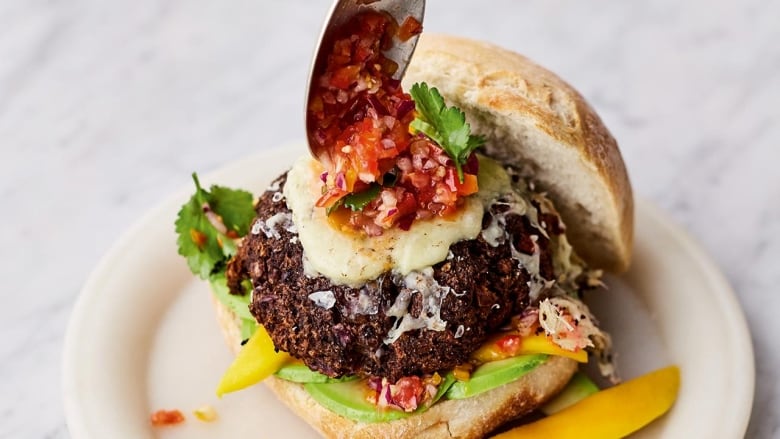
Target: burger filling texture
399	267
506	286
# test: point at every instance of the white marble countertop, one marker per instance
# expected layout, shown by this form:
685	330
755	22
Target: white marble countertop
106	108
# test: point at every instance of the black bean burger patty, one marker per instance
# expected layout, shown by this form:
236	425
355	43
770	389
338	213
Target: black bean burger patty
487	288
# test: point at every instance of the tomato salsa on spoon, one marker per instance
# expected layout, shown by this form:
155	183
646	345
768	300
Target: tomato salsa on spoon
390	157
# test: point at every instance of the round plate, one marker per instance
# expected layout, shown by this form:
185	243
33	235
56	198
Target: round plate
143	336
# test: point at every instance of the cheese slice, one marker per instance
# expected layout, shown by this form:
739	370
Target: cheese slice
348	258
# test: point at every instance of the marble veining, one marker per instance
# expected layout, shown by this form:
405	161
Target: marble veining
106	107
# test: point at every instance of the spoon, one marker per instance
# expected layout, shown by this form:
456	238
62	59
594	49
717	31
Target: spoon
340	13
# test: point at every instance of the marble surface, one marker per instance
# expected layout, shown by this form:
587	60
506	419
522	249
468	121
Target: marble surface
106	108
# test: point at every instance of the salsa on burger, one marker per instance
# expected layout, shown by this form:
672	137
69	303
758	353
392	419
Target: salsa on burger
413	278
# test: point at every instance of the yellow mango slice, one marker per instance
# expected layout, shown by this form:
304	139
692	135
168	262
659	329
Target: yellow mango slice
257	360
612	413
534	344
541	344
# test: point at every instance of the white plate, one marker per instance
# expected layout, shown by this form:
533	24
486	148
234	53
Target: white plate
143	335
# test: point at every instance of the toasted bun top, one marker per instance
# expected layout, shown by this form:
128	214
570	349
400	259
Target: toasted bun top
534	120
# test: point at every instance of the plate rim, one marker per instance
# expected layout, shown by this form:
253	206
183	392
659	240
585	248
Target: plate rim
74	406
725	294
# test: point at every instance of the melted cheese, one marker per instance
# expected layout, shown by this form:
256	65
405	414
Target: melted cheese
433	294
351	258
348	258
324	299
270	226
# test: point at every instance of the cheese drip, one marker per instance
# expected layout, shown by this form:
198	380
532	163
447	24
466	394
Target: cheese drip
350	258
433	294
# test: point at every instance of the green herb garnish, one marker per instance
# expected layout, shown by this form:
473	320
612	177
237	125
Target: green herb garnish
208	224
358	201
332	208
447	126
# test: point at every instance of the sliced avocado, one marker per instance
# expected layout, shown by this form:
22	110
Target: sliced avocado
238	304
579	388
495	374
300	373
348	399
447	382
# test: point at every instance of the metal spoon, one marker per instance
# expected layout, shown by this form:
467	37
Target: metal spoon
340	13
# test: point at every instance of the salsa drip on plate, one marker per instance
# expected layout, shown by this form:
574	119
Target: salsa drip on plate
379	172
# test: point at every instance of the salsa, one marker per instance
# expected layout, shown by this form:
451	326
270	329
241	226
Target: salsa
378	173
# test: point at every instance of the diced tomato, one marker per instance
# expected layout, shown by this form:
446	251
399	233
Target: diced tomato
360	115
407	393
469	185
510	344
419	180
163	418
373	23
345	76
409	28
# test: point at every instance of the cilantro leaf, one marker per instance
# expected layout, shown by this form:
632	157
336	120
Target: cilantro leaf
236	207
358	201
208	224
447	126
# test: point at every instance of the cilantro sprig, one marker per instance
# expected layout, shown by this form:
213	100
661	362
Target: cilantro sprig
445	125
208	224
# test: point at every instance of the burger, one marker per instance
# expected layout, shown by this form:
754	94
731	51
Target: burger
422	276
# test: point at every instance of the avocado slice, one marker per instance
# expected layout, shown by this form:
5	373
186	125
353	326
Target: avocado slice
238	304
447	382
579	388
348	399
495	374
300	373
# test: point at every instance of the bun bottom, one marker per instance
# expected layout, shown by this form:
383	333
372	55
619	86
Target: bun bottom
473	417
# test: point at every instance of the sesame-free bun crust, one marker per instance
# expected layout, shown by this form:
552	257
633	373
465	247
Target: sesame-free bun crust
534	120
467	418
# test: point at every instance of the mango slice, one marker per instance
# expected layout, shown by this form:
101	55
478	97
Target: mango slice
541	344
612	413
534	344
257	360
